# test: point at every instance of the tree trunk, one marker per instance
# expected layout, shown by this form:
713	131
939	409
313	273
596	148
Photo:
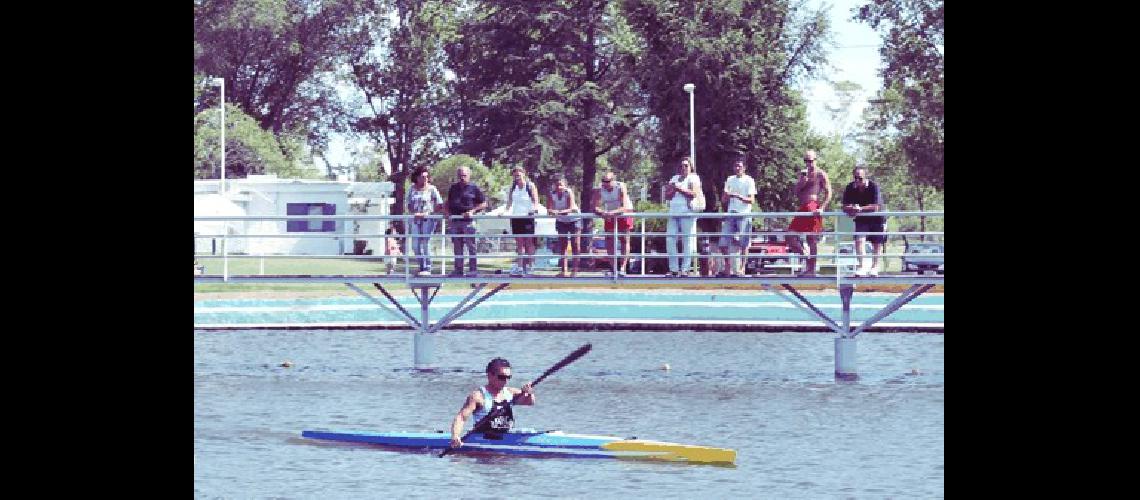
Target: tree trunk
921	219
589	161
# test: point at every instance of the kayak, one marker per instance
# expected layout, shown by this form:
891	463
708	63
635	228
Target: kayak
541	443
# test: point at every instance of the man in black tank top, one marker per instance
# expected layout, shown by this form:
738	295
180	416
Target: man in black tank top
502	417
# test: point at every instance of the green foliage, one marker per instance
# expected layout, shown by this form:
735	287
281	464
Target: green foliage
546	85
834	159
888	165
493	180
745	58
404	86
277	58
913	100
249	148
656	224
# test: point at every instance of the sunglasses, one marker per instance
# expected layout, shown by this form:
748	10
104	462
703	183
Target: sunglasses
503	377
607	181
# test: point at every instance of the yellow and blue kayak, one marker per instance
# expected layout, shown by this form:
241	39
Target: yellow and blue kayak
541	443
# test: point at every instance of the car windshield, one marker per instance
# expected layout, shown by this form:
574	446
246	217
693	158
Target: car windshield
925	248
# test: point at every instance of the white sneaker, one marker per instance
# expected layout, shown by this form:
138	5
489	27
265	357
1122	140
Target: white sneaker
516	271
424	273
874	271
860	272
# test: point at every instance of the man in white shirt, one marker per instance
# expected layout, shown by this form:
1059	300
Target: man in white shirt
739	194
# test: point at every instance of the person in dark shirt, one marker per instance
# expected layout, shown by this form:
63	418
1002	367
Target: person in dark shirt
463	200
862	196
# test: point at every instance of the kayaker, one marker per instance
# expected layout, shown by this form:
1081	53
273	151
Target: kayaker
500	396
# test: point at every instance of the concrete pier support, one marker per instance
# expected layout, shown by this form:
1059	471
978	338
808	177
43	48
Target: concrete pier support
845	343
845	358
424	351
424	342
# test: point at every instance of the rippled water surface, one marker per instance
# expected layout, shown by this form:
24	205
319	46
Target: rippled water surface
772	397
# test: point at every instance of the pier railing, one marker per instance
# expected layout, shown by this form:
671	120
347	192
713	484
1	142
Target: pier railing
647	256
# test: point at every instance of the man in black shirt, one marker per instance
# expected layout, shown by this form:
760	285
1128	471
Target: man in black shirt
862	195
463	200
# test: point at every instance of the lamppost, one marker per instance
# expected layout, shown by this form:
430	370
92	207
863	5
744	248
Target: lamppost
221	82
692	127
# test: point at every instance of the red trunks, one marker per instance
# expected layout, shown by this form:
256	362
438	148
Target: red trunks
807	223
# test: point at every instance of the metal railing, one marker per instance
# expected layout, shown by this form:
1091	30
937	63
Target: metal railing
441	240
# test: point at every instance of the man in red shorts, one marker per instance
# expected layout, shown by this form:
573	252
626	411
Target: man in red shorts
610	200
812	182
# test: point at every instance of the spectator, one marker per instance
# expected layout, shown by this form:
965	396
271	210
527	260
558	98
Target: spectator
811	183
739	193
680	192
862	196
562	204
464	199
522	200
422	199
611	199
391	249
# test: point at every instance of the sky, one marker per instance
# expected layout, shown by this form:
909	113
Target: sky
855	57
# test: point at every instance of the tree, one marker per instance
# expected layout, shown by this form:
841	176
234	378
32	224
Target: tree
913	80
847	93
546	85
889	166
404	85
744	56
249	148
276	55
493	180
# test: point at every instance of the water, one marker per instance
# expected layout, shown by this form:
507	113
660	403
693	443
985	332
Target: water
772	397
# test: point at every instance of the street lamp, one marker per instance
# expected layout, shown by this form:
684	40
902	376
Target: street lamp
692	127
221	82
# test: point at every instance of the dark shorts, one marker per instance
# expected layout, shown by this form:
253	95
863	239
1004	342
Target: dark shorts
624	224
872	227
522	226
566	227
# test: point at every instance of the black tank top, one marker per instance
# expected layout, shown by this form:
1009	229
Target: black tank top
501	421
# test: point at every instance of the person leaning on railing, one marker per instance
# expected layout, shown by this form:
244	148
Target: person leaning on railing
522	199
562	204
464	199
862	196
610	200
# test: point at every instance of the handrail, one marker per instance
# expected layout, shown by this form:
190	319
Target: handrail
440	237
702	215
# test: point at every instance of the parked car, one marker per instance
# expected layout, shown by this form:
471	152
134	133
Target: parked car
595	257
850	264
916	257
767	250
656	263
598	259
